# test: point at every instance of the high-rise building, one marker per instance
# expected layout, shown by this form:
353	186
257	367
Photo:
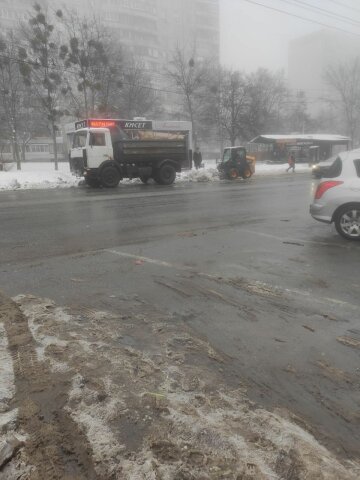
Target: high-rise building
190	24
150	28
309	58
12	12
153	28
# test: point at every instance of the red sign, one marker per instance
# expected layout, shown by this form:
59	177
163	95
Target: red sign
102	123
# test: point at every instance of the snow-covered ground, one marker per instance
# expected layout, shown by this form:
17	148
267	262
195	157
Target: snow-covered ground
37	176
43	176
210	174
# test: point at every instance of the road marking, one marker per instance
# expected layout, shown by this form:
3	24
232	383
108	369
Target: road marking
162	263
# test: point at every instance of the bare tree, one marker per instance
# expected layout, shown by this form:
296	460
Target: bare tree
189	76
298	118
137	96
11	92
345	80
267	93
31	123
40	69
92	65
233	105
111	79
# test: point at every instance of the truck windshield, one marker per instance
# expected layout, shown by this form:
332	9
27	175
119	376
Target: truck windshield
97	139
79	139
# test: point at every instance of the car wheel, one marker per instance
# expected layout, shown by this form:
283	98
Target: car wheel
233	174
166	174
110	177
347	222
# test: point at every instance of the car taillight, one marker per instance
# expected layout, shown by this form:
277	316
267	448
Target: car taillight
324	186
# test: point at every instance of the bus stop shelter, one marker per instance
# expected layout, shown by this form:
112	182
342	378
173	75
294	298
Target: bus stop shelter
310	148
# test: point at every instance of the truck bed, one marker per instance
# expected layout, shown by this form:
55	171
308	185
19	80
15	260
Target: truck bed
135	151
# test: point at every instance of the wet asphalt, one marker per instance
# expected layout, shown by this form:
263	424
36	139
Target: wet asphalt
242	263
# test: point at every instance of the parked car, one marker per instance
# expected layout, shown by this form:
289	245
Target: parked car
337	196
319	170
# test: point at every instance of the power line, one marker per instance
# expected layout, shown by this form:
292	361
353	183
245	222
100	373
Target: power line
301	17
340	4
325	12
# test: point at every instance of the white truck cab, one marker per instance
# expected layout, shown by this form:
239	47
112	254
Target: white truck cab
104	156
93	143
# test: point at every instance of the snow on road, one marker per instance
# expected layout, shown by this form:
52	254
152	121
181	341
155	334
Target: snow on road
7	387
43	176
145	399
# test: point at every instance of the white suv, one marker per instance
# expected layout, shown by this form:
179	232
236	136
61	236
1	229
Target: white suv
337	197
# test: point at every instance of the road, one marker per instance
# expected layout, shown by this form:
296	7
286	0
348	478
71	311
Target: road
242	264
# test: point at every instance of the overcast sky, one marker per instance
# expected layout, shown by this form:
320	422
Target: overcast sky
253	36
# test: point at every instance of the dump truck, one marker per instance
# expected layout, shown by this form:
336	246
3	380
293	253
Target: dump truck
104	153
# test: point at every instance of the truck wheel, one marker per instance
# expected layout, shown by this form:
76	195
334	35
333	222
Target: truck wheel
110	177
165	175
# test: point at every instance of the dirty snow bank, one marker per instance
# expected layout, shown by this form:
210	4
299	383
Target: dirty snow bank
7	383
7	387
43	176
37	176
210	174
8	415
151	400
37	315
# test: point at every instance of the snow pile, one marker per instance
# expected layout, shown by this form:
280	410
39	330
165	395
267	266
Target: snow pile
208	174
37	176
8	416
42	175
159	409
7	385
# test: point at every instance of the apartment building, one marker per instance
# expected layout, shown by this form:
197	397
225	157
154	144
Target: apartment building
309	58
150	28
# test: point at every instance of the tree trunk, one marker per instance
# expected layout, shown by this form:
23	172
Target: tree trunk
23	147
55	147
18	159
193	126
15	152
86	103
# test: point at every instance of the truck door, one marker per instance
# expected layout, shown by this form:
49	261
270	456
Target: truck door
100	148
76	157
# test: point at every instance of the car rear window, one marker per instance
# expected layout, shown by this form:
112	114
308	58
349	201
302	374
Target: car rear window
334	170
357	167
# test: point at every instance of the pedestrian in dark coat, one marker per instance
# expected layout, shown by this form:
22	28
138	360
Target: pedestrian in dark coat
197	158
